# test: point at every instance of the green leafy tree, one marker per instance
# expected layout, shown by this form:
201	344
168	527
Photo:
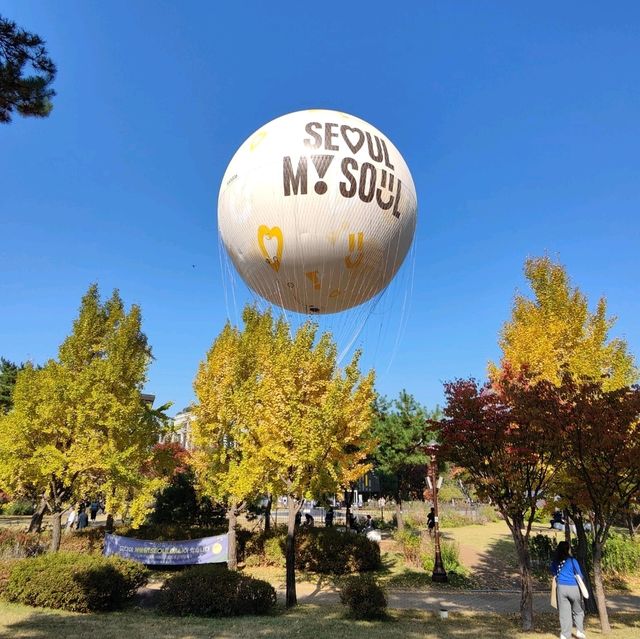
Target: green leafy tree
26	73
79	425
8	376
401	429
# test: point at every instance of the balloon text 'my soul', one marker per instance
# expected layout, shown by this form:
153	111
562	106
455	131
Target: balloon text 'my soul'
366	180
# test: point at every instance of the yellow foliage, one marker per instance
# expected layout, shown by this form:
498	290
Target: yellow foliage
274	413
79	425
555	331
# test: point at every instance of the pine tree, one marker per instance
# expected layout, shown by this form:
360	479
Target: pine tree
20	52
8	377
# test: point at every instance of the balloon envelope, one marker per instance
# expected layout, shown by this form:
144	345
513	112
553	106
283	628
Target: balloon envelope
317	211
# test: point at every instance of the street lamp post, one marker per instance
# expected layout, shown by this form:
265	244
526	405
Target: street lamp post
439	573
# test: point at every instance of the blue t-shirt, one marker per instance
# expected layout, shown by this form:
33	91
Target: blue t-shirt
566	575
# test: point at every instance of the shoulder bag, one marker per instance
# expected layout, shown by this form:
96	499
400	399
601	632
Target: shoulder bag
579	581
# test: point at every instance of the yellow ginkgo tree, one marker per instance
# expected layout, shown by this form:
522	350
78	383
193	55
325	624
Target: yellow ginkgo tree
79	425
555	333
276	415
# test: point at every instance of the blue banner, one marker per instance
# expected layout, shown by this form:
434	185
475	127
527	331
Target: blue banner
207	550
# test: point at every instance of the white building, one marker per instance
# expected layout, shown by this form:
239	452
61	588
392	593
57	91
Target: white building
180	431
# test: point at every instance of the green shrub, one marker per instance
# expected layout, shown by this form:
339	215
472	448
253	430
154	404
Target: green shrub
18	507
414	522
322	550
410	544
6	566
266	549
87	540
170	532
273	552
213	591
621	555
18	544
488	514
364	596
449	491
180	502
450	553
75	582
455	519
542	547
333	551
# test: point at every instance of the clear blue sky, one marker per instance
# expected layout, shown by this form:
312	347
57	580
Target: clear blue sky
520	123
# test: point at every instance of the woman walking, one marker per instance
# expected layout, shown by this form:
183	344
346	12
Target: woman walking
567	571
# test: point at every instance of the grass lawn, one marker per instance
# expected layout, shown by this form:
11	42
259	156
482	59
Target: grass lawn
305	622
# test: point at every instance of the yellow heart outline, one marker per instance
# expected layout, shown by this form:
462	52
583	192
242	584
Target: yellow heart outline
349	262
275	232
257	139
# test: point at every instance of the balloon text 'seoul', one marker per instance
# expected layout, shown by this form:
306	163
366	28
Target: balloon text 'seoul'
365	180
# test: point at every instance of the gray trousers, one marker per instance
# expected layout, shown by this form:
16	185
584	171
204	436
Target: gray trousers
570	609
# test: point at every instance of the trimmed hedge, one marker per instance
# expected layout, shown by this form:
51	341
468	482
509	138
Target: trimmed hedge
75	582
88	540
364	597
211	590
333	551
169	532
6	566
323	550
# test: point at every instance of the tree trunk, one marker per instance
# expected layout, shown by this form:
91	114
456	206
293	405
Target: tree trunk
348	498
290	553
36	519
57	531
232	559
630	527
599	587
526	578
567	526
267	514
590	604
399	517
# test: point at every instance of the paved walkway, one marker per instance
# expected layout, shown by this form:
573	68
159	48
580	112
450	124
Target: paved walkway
499	601
473	601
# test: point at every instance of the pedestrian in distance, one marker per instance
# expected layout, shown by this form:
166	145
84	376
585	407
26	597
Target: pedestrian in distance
93	509
298	519
557	521
308	520
368	524
328	517
83	519
569	580
71	519
431	521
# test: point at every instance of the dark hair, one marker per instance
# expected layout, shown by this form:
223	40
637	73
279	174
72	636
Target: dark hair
562	552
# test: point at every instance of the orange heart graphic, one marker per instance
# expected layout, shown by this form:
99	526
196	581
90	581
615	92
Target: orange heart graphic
273	233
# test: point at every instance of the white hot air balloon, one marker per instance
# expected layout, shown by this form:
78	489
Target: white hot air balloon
317	211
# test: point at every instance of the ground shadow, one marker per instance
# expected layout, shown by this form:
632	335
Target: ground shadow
303	622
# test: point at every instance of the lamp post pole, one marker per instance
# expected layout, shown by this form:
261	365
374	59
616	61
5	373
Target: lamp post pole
439	573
